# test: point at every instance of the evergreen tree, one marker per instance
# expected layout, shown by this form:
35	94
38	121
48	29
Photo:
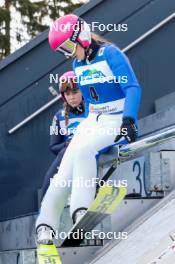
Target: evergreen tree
35	18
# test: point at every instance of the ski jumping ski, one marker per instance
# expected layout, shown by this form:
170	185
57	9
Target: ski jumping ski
106	201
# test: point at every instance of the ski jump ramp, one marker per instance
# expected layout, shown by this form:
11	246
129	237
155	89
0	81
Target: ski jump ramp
151	239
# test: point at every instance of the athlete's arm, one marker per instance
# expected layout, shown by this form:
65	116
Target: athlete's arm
120	66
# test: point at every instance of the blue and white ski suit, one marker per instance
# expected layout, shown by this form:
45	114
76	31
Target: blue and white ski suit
111	91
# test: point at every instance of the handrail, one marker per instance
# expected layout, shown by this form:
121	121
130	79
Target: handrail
149	32
130	150
130	46
40	110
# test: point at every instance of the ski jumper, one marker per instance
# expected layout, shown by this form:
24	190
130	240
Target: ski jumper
107	100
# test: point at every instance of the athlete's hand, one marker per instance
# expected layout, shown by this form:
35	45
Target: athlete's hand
128	130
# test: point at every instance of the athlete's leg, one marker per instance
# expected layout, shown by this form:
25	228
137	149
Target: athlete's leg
102	135
56	196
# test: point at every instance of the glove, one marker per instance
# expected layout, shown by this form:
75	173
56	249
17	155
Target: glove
128	130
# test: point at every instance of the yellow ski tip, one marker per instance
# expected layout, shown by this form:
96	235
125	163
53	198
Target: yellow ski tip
48	254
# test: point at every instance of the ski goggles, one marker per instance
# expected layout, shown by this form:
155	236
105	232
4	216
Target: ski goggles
64	87
68	48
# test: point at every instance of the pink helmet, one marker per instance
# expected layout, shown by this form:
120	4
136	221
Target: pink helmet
67	81
69	27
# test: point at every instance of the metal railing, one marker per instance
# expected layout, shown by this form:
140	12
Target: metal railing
132	149
149	32
40	110
127	48
129	151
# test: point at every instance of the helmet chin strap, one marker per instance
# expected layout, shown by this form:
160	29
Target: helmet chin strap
91	51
